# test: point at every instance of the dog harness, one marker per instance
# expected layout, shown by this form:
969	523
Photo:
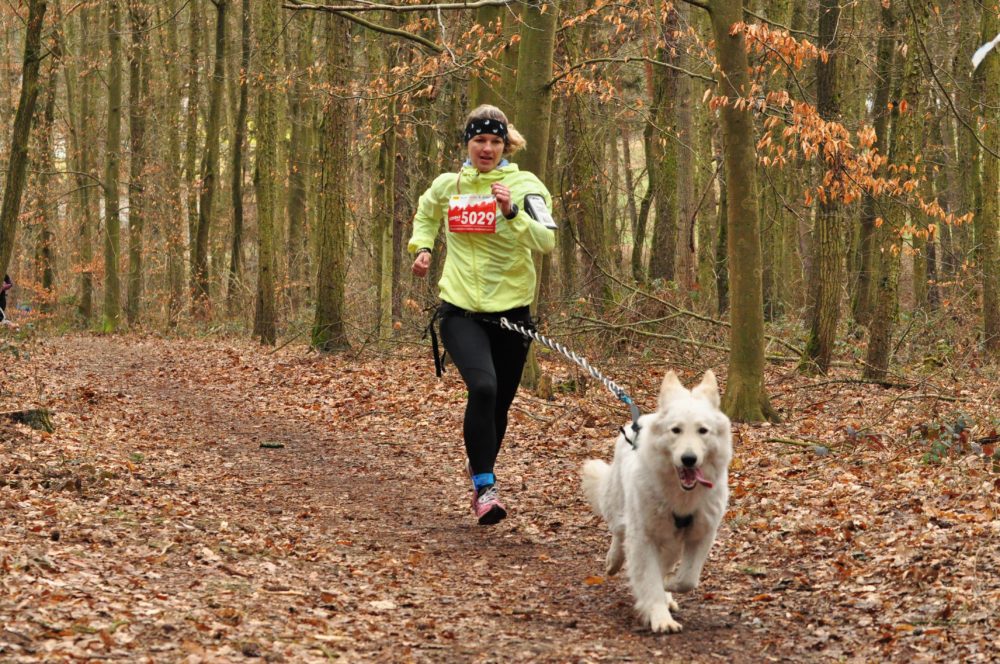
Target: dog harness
682	522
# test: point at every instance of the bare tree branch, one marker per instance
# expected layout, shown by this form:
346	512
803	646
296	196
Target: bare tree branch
626	60
426	43
700	5
364	6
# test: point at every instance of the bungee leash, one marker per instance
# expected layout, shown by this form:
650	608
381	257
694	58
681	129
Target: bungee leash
583	363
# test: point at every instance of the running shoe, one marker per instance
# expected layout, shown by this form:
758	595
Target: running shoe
487	506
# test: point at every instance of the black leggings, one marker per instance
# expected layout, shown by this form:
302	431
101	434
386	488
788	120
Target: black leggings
490	360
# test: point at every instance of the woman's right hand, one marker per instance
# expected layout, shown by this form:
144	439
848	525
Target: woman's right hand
422	264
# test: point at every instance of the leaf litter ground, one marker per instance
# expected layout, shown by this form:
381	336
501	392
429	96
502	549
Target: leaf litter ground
208	501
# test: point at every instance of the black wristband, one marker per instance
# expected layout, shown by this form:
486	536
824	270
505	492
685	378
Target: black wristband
513	212
422	250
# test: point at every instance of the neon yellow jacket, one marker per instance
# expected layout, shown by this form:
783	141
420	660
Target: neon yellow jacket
485	272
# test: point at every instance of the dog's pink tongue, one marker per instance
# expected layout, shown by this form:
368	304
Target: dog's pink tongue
701	479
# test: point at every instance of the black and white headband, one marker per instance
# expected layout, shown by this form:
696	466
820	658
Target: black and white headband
485	126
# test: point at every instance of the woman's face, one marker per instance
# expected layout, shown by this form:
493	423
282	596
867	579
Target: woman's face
485	151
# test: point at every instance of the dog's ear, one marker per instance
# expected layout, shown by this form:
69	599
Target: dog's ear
670	389
708	389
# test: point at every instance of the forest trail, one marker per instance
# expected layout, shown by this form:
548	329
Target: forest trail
213	501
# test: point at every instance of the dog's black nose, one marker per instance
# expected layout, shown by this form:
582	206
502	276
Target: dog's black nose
689	460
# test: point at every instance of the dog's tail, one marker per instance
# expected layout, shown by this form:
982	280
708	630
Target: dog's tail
595	475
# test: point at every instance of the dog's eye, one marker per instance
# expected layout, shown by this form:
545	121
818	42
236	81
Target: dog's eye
676	429
702	430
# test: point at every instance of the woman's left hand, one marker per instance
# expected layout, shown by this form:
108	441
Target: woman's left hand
502	194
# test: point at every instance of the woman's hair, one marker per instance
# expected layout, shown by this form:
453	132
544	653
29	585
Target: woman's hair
515	141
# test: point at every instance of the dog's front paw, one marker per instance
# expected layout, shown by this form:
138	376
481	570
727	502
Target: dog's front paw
616	555
613	562
660	620
677	585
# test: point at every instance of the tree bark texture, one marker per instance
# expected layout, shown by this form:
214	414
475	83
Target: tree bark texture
195	18
745	398
112	165
176	228
17	166
687	144
45	247
268	26
239	141
862	301
584	142
988	222
329	333
201	295
138	59
829	239
663	164
485	86
905	139
533	118
300	158
639	272
85	136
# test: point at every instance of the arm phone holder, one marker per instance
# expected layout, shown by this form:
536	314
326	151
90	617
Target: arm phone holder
534	205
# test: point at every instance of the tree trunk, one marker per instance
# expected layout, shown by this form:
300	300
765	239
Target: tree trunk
299	159
829	245
631	210
926	286
686	246
948	187
967	163
383	199
201	301
639	273
17	165
138	109
268	26
663	164
583	151
778	224
708	223
401	217
191	128
44	250
176	228
533	118
80	117
112	204
745	398
329	332
722	246
384	229
987	223
862	302
533	112
902	151
239	139
487	77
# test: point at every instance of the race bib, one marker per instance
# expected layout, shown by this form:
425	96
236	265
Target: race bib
472	213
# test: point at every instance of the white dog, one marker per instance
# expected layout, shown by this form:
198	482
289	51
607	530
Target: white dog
663	500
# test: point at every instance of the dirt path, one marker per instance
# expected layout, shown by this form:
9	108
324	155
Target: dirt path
210	502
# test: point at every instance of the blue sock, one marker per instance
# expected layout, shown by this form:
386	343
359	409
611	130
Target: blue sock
483	479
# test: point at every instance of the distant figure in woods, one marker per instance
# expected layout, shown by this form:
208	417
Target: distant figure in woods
7	285
488	274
